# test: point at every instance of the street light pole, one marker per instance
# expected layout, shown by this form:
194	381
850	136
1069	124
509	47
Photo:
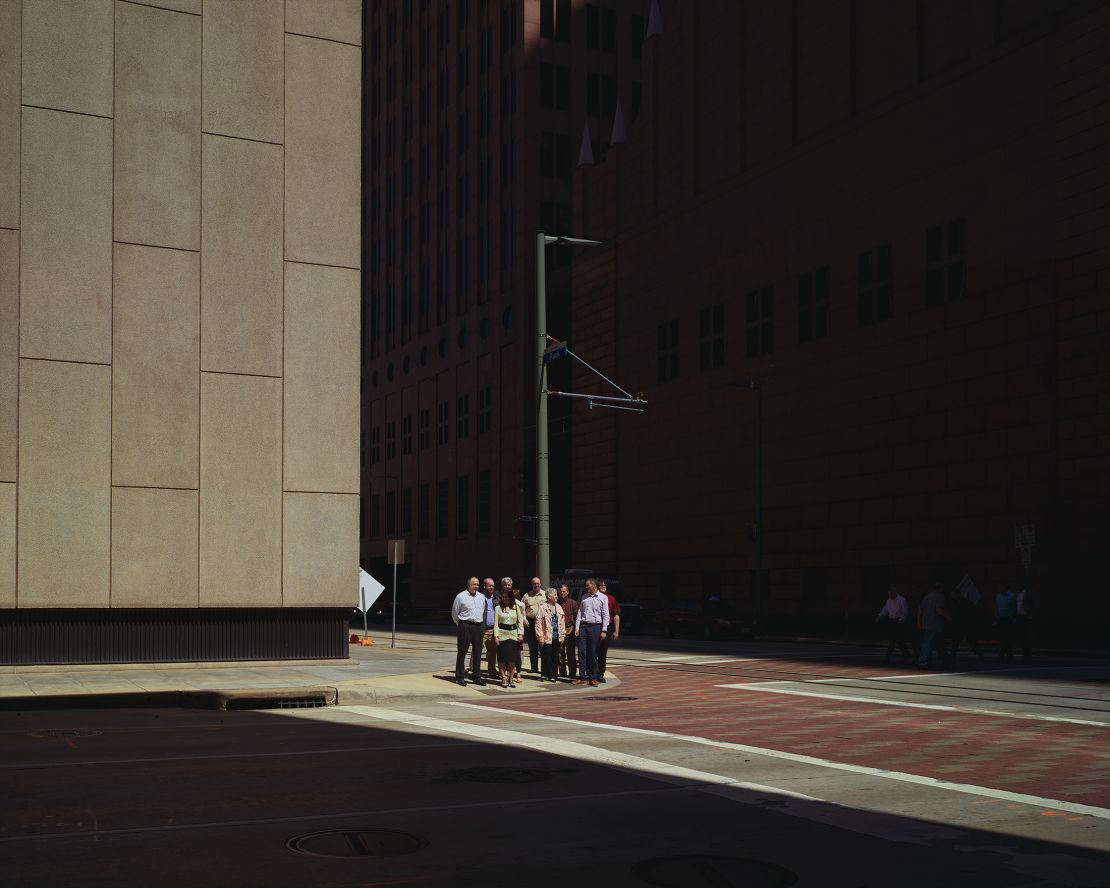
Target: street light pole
543	493
543	489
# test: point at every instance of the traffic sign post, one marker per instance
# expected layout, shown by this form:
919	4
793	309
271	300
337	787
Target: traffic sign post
368	591
396	555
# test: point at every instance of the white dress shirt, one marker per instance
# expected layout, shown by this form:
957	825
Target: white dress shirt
592	609
895	609
469	608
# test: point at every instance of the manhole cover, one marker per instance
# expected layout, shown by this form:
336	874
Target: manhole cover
65	732
610	699
500	775
719	871
356	843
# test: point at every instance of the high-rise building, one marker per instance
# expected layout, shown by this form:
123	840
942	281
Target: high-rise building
873	237
179	285
474	118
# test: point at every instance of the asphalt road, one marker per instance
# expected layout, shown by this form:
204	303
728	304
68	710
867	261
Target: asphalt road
715	764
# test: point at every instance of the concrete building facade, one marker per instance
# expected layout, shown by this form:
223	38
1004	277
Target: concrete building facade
179	291
888	222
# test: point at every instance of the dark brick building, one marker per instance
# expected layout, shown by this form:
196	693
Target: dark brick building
895	217
473	119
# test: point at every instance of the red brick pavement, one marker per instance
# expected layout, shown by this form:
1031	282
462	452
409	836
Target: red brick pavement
1055	760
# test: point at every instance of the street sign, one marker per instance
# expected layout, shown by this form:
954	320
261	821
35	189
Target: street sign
395	550
368	590
554	351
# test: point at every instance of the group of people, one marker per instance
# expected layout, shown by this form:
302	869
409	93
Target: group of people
567	636
944	619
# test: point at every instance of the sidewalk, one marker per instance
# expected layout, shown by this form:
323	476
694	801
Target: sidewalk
375	674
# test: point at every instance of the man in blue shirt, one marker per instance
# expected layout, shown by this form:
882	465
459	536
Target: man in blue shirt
589	626
488	639
469	615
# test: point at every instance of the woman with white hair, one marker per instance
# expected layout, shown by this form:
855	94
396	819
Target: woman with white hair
549	631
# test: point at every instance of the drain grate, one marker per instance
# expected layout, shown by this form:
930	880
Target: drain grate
65	732
500	775
719	871
310	702
610	699
356	843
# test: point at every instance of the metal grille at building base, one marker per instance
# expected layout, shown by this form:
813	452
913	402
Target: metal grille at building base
41	636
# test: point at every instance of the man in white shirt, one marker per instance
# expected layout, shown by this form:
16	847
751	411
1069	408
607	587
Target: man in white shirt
893	618
469	615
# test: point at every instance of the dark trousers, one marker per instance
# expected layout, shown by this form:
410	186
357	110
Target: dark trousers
533	647
589	639
603	651
1005	638
549	660
959	632
470	635
896	635
568	656
1025	636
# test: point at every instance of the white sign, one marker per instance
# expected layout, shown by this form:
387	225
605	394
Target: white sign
967	589
368	590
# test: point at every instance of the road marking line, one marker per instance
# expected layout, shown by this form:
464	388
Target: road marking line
229	755
310	818
583	752
966	788
1000	713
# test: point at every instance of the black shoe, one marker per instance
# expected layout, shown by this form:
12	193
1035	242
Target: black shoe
601	678
482	682
461	682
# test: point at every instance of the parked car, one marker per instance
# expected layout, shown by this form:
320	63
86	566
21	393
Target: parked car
633	617
703	620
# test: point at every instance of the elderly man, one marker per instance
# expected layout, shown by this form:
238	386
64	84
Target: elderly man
488	639
589	626
549	632
612	631
469	615
533	601
568	648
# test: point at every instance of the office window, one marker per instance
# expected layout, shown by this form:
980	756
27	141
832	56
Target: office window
875	283
609	30
593	26
391	439
946	265
711	331
760	316
593	93
462	506
375	516
485	409
443	413
563	20
463	417
547	154
375	445
668	350
390	513
547	18
442	492
424	527
636	35
406	510
813	305
425	428
485	500
406	435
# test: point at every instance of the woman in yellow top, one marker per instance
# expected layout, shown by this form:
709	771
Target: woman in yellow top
508	629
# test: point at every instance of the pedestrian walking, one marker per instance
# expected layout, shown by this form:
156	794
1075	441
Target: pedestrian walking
965	624
510	632
549	630
489	641
932	617
1005	612
568	647
1024	607
894	617
533	601
612	631
589	626
469	615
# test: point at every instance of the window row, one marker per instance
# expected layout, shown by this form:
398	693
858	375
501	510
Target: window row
945	281
423	436
395	515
